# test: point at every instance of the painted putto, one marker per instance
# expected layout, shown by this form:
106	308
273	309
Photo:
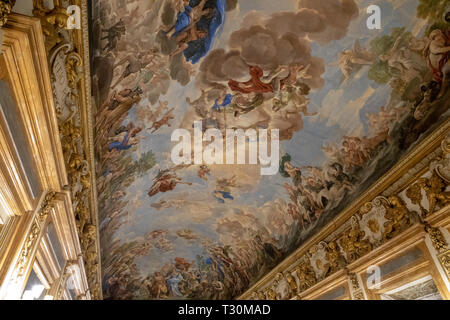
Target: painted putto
346	103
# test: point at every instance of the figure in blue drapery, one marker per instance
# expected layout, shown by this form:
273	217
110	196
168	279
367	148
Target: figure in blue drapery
212	24
223	102
121	145
196	27
219	266
222	195
173	282
183	19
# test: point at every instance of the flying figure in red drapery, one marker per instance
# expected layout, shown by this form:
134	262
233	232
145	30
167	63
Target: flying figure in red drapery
254	85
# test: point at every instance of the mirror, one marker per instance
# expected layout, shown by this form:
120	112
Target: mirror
35	289
53	239
422	289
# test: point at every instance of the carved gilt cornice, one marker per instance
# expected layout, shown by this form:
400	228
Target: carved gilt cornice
68	57
390	207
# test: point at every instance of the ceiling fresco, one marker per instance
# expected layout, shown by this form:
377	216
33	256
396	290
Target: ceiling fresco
348	102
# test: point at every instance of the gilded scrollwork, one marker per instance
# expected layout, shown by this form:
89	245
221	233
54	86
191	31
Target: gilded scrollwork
25	254
379	221
353	242
444	260
271	294
52	21
440	244
372	219
399	218
437	238
334	257
292	283
33	234
305	274
260	295
414	193
357	293
5	9
65	54
435	190
442	165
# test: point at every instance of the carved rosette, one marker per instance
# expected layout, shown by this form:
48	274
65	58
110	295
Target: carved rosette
5	9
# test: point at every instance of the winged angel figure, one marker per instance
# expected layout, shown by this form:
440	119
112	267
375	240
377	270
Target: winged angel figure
350	61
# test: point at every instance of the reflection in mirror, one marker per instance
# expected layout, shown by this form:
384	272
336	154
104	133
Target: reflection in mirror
422	289
34	289
4	217
52	238
18	134
72	294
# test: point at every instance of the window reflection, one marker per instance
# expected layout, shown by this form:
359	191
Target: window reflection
53	239
34	289
422	289
4	217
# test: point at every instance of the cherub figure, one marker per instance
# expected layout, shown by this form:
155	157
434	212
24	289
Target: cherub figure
204	172
353	242
292	285
352	60
398	57
306	276
187	36
398	216
435	191
334	258
164	121
165	181
223	189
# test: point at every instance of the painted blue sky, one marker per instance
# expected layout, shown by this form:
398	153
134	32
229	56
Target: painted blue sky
341	111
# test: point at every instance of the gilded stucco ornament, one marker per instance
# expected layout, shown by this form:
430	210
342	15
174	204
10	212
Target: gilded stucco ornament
335	259
305	274
353	242
381	220
292	283
5	9
281	287
440	244
399	218
355	286
435	190
52	21
271	294
437	238
442	166
33	234
69	75
444	259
